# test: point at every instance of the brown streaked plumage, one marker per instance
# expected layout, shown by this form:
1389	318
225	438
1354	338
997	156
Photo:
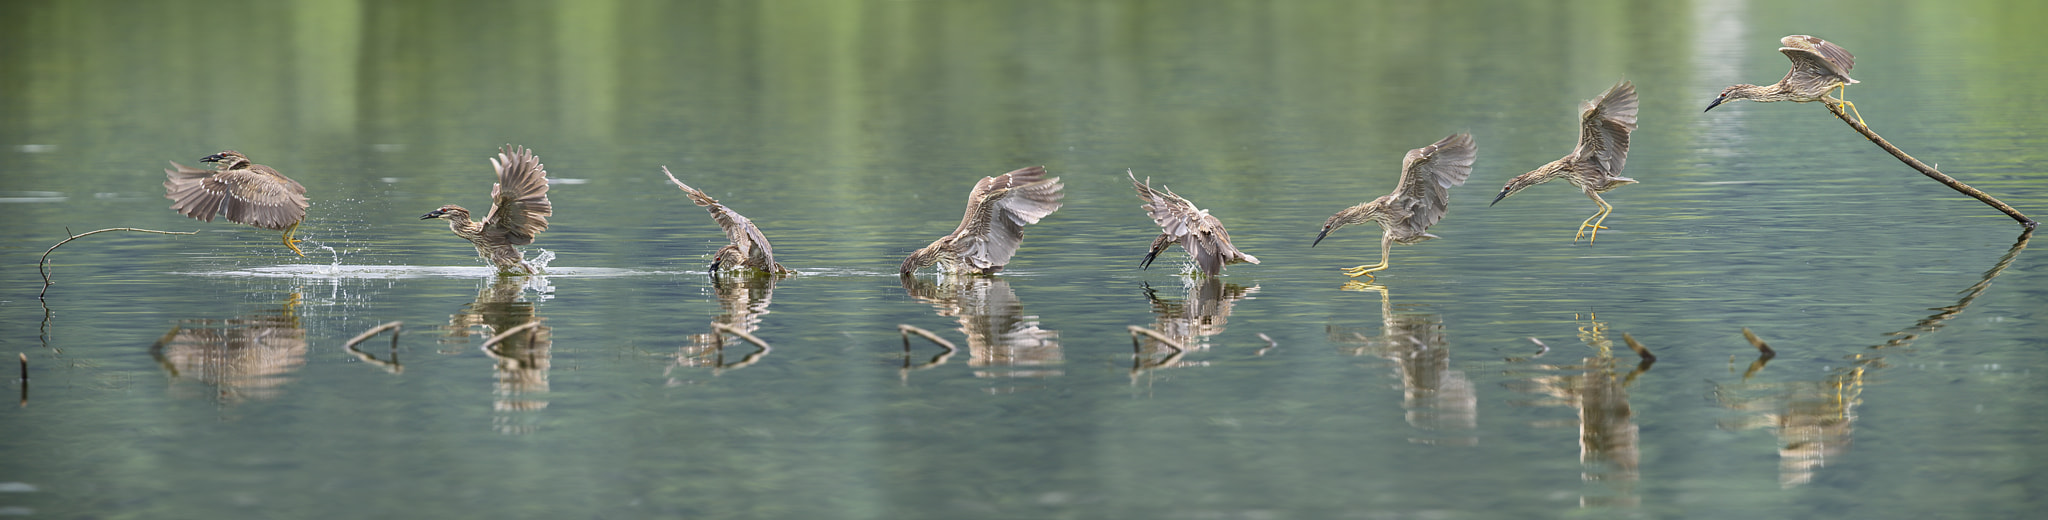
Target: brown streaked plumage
997	211
1818	67
1197	232
245	192
519	210
1595	165
749	248
1418	201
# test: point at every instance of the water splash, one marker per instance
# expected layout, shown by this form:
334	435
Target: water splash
540	261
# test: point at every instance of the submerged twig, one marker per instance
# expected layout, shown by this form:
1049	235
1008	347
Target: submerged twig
1270	344
508	333
1764	353
908	329
1642	352
1929	171
42	265
1163	340
392	366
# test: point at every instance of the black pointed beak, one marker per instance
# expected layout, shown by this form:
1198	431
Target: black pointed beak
1319	236
432	214
212	158
1716	103
1148	260
1496	199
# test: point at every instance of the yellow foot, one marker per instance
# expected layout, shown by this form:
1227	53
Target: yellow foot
1364	270
1355	285
1590	233
294	244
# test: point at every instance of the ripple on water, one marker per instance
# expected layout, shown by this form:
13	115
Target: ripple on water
395	272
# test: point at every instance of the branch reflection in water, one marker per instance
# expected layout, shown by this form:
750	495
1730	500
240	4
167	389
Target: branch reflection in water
1184	325
1815	420
1608	436
743	298
241	358
1001	340
1437	398
517	343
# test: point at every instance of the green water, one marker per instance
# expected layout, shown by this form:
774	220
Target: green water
851	131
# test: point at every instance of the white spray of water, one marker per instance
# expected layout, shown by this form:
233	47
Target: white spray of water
540	261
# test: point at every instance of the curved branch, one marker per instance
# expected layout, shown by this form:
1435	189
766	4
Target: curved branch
1929	171
42	266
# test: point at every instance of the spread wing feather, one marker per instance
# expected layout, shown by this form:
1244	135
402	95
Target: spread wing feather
1427	175
519	201
258	196
1604	126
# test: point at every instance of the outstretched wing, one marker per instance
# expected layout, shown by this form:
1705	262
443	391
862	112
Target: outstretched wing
1000	207
1427	175
519	201
258	196
738	229
1198	232
1818	55
1604	126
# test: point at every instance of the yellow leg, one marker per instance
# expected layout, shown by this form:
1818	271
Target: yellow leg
1590	229
1386	244
292	242
1844	98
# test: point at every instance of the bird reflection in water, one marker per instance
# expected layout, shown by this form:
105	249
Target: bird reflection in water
1185	324
241	358
517	343
1437	398
1815	420
1608	437
1001	340
742	300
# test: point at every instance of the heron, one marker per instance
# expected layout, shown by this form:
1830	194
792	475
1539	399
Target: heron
1197	232
988	235
749	248
1595	165
1818	68
519	210
1418	200
246	192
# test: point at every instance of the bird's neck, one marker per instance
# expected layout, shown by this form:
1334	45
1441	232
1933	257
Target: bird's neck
465	228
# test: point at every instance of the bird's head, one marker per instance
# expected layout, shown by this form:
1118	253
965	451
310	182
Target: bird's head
228	159
1352	215
1731	93
449	212
920	259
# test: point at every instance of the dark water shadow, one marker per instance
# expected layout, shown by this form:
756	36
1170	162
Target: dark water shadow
1814	420
239	359
1002	342
1185	325
1597	390
742	299
1437	398
518	344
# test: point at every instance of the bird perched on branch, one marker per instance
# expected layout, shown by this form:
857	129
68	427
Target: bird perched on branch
1197	232
1418	200
519	210
997	211
749	248
1818	68
1595	165
245	192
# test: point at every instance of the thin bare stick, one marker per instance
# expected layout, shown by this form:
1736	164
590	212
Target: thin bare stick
1764	353
43	265
1169	342
1270	344
1929	171
508	333
728	329
371	333
1638	347
24	366
911	329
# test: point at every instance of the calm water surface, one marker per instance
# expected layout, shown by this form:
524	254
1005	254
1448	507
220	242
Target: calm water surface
206	375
